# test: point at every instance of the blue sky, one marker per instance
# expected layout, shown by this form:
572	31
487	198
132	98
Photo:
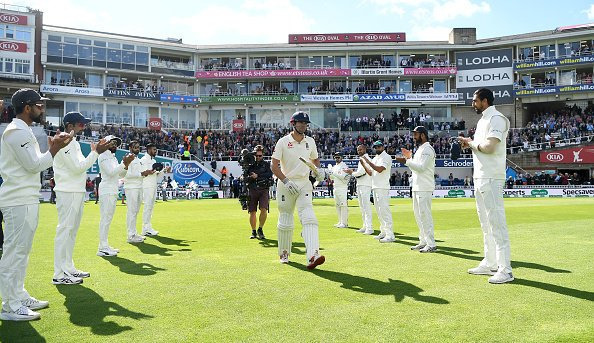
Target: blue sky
270	21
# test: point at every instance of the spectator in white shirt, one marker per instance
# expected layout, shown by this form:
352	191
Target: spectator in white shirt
20	164
70	175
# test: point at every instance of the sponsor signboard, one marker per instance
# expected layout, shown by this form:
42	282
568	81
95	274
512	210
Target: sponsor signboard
346	38
13	46
184	99
431	96
255	74
439	163
155	124
130	94
578	155
485	68
181	194
326	97
250	99
13	19
554	90
379	97
82	91
403	71
238	124
187	171
557	62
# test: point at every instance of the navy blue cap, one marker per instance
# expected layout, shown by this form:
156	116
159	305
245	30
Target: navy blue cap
26	96
75	117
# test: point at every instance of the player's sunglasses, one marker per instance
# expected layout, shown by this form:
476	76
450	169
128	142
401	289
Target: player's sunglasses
259	155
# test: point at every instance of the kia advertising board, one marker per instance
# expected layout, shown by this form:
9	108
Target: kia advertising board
13	19
578	155
485	68
13	46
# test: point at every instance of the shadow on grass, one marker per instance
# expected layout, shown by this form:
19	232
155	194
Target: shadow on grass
89	309
171	241
19	332
398	289
572	292
463	253
411	238
130	267
273	243
148	248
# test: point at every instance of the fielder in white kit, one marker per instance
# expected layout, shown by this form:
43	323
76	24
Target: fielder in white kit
21	161
133	187
111	171
381	165
149	189
363	178
70	175
341	188
295	189
422	165
488	156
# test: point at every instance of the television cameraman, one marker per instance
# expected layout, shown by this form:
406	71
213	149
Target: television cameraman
258	181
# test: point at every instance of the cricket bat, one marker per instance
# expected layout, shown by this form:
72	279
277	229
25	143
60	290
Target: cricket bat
310	165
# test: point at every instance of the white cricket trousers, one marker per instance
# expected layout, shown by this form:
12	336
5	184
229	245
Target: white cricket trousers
491	213
381	199
422	211
70	210
286	206
148	197
107	207
363	193
19	230
133	201
342	210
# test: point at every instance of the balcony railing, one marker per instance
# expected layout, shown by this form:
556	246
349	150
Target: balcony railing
321	66
173	65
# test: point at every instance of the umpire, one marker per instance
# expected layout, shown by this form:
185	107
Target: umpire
258	181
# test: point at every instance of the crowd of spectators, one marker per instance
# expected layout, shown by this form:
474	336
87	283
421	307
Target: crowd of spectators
544	178
135	85
400	121
550	127
73	82
424	62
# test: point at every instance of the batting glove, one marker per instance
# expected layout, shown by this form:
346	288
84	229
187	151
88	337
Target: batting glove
291	186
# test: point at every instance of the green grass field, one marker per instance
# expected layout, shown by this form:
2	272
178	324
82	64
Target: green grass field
203	280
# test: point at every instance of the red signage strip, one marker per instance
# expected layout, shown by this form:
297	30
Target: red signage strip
13	19
13	46
577	155
347	38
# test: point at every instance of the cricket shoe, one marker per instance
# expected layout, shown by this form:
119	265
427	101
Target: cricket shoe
427	249
387	240
380	236
149	232
114	249
368	232
34	304
135	239
315	261
80	274
22	314
106	253
501	277
417	247
480	270
284	257
67	280
361	230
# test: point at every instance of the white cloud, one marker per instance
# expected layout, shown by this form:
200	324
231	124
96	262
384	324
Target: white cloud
264	21
428	33
452	9
432	10
590	12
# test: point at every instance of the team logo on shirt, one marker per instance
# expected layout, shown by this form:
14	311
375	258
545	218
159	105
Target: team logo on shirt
290	145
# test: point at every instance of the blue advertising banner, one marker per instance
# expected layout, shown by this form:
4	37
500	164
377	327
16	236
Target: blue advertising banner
554	90
439	163
187	171
183	99
379	97
554	62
